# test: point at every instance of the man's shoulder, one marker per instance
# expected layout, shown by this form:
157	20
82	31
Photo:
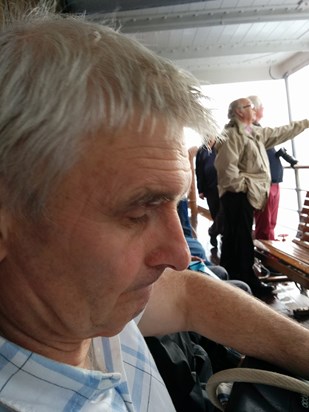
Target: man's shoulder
230	136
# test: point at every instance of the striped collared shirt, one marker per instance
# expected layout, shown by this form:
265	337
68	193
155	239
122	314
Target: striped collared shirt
30	382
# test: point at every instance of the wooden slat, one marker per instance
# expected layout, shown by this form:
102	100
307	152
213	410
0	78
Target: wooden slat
302	243
292	257
303	227
290	252
291	272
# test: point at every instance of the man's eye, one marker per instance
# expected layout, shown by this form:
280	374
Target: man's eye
138	219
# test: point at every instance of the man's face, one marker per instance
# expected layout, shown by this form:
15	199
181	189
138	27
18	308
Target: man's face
246	112
259	112
110	229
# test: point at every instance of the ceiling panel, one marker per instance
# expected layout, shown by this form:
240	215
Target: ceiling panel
217	40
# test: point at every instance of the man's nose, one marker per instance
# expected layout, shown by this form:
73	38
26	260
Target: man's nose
170	246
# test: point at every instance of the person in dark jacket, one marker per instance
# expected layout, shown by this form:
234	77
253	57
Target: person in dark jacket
206	178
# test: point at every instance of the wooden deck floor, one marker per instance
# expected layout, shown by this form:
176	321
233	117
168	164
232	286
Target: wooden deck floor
289	297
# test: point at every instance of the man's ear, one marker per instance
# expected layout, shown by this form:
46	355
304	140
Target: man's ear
239	113
4	226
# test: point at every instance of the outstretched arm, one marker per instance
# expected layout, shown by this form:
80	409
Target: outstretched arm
191	301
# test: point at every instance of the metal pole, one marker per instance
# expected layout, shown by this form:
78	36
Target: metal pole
296	174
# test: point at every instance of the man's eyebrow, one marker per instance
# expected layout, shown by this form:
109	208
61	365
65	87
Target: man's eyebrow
151	198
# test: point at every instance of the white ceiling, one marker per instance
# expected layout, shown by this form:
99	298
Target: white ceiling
218	41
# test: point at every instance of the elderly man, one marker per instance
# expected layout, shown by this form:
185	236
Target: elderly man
244	182
93	257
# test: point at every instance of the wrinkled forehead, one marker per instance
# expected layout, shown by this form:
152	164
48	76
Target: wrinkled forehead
150	131
152	141
133	164
244	102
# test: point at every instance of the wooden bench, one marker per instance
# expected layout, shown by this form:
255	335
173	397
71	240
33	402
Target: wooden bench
290	257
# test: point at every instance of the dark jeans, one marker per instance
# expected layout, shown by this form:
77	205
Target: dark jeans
237	250
216	212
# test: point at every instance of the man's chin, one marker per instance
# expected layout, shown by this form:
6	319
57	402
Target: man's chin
141	301
141	298
116	329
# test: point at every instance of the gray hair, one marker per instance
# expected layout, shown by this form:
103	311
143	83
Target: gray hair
232	107
62	79
256	101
